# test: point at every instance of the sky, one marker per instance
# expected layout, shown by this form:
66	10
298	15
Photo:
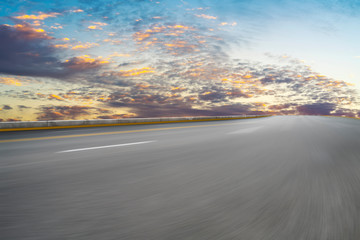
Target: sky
108	59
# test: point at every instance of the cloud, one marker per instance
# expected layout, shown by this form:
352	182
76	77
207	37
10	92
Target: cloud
84	62
345	113
10	120
84	46
28	32
176	65
10	81
180	109
228	24
116	54
56	27
6	107
21	107
56	97
205	16
61	45
93	27
40	16
76	11
162	35
80	46
134	72
212	96
316	109
117	116
99	23
24	51
67	112
201	82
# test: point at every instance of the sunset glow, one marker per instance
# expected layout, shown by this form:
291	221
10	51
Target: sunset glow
110	59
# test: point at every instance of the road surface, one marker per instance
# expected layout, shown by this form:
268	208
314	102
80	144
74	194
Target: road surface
291	177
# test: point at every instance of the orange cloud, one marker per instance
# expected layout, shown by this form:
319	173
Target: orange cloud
115	42
178	89
40	16
93	27
260	104
36	23
173	30
53	96
61	45
141	36
179	44
85	62
30	32
10	81
77	10
247	76
205	16
84	46
135	72
181	27
76	47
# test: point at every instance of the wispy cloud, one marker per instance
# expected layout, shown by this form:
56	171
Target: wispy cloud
134	72
205	16
39	16
84	46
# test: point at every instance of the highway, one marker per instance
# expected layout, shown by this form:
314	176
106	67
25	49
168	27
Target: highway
281	177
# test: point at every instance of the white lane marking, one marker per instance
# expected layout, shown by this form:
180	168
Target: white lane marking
246	130
58	160
108	146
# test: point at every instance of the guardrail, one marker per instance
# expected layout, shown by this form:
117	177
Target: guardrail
51	124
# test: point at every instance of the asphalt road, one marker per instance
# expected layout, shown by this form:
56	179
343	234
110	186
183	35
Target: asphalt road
294	177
